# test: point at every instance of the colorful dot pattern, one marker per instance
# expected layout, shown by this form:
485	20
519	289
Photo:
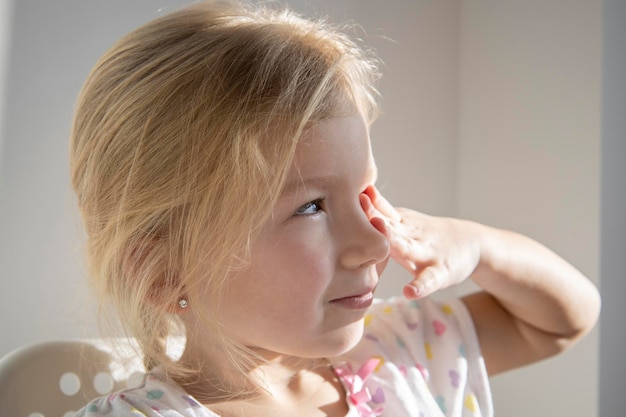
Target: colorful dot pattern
430	363
155	397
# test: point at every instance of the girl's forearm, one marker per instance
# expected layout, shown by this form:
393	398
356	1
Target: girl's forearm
534	305
536	285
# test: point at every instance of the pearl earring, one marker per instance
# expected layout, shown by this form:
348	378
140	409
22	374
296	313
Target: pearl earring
183	303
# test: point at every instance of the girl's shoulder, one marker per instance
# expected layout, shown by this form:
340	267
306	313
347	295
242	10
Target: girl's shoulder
156	396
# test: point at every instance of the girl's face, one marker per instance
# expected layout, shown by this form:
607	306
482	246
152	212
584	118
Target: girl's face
317	261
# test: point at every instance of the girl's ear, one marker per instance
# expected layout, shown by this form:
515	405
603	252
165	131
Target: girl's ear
168	297
147	269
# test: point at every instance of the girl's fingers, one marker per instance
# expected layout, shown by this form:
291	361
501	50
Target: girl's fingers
382	204
377	220
375	205
426	282
405	237
380	225
427	247
408	242
407	248
375	217
366	205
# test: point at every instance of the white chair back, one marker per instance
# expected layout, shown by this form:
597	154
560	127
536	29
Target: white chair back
55	379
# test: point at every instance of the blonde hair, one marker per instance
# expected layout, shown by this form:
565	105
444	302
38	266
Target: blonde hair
183	135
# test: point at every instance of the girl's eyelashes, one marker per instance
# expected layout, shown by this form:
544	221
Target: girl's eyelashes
311	208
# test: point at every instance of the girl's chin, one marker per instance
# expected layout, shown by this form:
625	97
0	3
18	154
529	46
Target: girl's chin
330	345
345	342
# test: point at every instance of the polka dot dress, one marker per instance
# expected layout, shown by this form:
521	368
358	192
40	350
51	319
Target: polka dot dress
428	363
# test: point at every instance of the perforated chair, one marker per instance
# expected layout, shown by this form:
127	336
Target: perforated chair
55	379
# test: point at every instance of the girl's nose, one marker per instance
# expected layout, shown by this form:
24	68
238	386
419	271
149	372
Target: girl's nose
366	244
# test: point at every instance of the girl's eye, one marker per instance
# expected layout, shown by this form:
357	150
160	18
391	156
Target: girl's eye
310	208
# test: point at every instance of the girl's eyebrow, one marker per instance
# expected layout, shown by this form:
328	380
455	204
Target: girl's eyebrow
322	181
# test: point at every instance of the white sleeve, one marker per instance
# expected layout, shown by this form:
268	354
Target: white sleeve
157	397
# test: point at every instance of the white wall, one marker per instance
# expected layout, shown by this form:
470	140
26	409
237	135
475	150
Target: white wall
491	111
529	151
53	44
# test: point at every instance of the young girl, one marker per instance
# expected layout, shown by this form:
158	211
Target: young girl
222	163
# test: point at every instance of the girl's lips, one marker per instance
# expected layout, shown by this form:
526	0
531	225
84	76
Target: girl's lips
355	302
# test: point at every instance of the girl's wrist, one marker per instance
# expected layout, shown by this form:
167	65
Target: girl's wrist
493	252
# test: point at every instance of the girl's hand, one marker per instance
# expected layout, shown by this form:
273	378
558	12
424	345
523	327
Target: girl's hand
438	252
533	303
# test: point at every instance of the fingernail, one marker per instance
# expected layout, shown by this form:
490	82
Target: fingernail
366	201
411	292
380	224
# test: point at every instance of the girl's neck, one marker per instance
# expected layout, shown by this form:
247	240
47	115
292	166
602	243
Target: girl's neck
280	385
